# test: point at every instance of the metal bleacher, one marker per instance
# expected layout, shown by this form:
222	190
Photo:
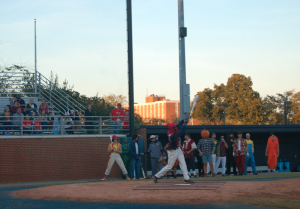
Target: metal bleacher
28	85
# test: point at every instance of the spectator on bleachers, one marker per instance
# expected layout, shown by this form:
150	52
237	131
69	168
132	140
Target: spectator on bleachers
56	127
43	120
7	120
50	120
33	114
44	106
31	106
12	100
2	127
67	122
89	125
18	119
21	102
27	124
16	106
75	119
37	126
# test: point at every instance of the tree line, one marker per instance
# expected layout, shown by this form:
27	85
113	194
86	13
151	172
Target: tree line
245	106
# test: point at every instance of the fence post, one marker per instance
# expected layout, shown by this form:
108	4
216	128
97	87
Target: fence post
50	100
39	86
61	126
100	125
22	118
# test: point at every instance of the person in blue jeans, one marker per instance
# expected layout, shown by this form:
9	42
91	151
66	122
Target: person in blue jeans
135	157
251	156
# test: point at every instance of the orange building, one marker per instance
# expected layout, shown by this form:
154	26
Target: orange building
158	107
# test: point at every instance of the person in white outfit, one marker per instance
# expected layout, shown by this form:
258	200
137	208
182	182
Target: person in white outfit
174	153
221	158
115	149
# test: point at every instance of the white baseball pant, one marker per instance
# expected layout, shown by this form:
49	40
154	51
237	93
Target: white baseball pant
172	156
115	157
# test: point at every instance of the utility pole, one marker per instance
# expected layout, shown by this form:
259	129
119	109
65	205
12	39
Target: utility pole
183	86
130	68
35	61
285	112
224	113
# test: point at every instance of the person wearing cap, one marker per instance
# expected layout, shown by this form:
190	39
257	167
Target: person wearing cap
116	117
250	158
155	150
125	155
214	155
240	150
115	149
230	159
135	155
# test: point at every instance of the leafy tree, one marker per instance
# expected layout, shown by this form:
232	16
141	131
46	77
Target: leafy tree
295	107
115	99
245	103
204	106
273	107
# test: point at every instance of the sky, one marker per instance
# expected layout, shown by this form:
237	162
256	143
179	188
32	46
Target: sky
85	42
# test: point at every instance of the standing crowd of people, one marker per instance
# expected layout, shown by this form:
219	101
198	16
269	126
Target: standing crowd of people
233	154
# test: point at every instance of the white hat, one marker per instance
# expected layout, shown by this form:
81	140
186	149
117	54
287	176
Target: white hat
152	137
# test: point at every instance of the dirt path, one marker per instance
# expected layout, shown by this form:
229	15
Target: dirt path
122	191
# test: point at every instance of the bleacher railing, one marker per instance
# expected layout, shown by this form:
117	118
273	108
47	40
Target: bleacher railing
63	125
22	82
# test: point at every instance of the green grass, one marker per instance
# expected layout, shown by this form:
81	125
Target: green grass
266	202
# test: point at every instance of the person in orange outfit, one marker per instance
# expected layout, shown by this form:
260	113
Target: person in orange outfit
272	152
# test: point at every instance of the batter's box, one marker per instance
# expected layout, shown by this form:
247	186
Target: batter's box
178	185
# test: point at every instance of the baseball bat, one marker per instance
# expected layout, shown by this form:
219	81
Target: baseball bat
194	104
142	169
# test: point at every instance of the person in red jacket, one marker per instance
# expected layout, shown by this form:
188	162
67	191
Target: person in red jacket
27	125
116	119
188	148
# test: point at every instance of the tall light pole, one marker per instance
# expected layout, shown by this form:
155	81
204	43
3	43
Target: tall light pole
285	113
130	68
35	61
183	86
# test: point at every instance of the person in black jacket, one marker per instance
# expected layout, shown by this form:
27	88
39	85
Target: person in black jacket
31	106
230	160
89	125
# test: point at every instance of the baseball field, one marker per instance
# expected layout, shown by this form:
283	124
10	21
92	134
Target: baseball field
280	190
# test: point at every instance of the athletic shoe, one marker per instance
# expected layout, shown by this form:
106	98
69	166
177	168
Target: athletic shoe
189	181
155	179
174	176
103	179
128	178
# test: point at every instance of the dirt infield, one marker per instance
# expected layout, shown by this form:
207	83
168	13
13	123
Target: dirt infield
123	191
